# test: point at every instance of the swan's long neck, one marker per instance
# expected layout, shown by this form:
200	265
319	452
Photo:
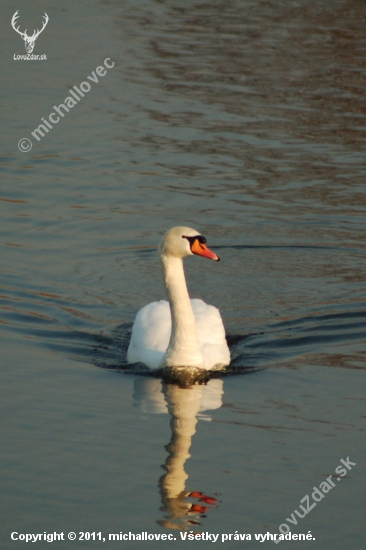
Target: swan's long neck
183	349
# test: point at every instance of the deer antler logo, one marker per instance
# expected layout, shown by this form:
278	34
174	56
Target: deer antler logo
28	40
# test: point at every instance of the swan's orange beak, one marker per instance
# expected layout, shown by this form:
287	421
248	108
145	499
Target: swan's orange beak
203	250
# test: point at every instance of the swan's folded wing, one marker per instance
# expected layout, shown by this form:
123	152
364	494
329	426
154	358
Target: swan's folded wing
150	334
211	334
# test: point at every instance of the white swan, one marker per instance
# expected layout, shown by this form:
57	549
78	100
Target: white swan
196	337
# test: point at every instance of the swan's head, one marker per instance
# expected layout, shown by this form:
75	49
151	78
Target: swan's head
185	241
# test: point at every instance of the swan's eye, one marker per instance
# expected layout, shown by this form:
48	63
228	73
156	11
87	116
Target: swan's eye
200	238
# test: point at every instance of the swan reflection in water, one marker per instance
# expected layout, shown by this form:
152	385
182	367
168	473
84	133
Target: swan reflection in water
185	405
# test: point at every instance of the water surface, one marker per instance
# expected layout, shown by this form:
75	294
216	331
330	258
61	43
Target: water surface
246	121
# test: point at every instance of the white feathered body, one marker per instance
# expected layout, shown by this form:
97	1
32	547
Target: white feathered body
152	329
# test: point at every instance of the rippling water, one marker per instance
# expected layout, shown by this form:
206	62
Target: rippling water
246	121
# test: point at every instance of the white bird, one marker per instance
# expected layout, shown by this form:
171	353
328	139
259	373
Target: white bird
183	332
